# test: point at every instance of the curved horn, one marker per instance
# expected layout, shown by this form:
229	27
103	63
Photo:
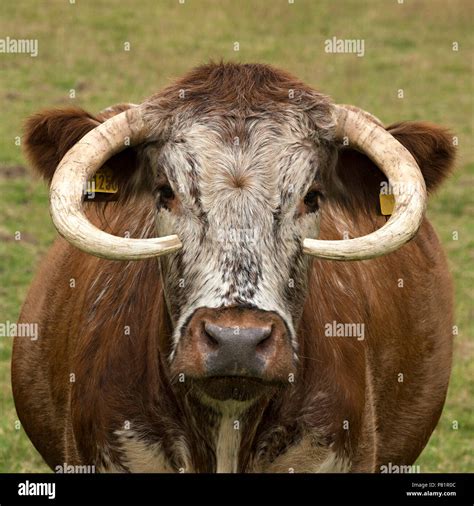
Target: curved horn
402	171
69	182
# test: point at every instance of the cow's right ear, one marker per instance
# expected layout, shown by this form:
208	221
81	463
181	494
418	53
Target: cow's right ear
50	134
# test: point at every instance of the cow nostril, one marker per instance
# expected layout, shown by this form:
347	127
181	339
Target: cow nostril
211	340
214	334
265	340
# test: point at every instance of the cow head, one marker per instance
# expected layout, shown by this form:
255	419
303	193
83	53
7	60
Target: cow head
238	159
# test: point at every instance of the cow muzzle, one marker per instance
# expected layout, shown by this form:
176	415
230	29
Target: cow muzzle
234	353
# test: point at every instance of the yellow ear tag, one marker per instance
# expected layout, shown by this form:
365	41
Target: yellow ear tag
103	182
387	203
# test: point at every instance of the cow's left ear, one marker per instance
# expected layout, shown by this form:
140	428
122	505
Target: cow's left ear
432	147
358	181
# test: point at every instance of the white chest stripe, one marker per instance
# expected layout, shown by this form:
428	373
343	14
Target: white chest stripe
228	445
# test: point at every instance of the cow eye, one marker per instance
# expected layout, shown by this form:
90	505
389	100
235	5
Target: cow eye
165	196
311	201
166	192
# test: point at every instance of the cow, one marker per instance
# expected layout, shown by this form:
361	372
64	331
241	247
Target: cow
241	305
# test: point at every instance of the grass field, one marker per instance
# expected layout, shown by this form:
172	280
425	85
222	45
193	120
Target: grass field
408	46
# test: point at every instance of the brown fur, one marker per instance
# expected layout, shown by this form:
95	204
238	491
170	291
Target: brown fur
121	377
235	90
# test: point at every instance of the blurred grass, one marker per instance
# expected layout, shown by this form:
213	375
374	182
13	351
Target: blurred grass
81	46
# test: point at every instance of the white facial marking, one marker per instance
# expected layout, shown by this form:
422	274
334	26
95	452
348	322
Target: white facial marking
238	218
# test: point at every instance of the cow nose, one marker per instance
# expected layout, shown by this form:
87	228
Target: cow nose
237	351
236	338
227	347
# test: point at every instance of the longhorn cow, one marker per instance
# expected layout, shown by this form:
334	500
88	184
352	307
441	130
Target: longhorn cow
242	305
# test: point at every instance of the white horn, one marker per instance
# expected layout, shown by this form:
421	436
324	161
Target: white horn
403	173
70	181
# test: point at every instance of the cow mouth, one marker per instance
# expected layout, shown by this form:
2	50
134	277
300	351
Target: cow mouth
233	388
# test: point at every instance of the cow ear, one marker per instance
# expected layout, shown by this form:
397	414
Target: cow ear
432	147
48	136
358	181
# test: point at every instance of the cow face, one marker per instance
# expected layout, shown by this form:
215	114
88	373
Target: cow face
241	192
238	159
234	160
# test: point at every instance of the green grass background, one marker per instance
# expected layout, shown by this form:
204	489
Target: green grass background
81	46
